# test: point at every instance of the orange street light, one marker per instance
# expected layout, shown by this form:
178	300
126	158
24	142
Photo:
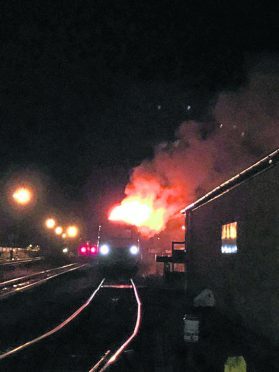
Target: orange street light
50	223
58	230
22	195
72	231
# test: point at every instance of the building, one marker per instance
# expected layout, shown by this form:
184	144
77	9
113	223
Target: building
232	245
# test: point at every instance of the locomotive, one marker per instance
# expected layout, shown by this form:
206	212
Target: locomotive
118	249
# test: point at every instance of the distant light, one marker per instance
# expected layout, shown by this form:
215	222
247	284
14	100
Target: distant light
228	248
72	231
93	250
183	227
221	126
188	107
159	107
22	195
58	230
50	223
65	250
104	250
83	249
64	235
134	249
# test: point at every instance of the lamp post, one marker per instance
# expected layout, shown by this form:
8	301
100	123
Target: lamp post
65	234
72	231
69	237
58	230
22	196
50	223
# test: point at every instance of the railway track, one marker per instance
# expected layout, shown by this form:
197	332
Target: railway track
92	338
21	262
13	286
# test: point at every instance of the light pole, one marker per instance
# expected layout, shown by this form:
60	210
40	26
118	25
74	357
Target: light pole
72	231
58	230
50	223
22	196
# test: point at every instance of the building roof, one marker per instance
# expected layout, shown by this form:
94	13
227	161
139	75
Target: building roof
262	165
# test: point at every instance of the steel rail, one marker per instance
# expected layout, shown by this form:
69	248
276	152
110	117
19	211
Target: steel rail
25	277
19	262
55	329
37	283
109	359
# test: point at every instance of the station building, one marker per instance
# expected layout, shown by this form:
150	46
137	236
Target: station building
232	246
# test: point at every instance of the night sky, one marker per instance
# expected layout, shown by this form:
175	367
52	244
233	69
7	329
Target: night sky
88	88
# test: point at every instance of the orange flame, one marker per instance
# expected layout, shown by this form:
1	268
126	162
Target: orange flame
140	212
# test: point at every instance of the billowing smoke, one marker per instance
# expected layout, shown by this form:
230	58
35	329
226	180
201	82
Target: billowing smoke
246	127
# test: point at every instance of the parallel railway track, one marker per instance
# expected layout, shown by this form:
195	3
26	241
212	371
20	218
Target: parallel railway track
13	286
109	338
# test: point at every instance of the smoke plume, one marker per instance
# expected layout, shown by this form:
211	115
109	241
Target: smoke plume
246	127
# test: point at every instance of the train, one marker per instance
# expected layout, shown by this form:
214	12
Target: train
117	249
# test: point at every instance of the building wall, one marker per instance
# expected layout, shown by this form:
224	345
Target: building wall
245	284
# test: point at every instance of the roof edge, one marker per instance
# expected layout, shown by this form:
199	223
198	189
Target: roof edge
263	164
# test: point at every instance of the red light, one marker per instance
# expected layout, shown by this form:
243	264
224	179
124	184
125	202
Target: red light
83	250
93	250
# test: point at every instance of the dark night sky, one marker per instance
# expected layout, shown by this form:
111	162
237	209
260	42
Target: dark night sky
89	87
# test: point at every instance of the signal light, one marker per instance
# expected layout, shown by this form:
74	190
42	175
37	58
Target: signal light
83	250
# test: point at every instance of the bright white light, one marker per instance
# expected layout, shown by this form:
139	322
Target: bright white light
22	195
104	249
65	250
58	230
134	249
50	223
228	248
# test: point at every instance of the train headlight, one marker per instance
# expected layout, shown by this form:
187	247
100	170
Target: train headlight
134	249
104	249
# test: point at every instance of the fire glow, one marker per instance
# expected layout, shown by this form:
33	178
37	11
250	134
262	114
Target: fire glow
140	212
202	156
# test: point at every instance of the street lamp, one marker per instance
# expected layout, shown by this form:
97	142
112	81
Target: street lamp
72	231
58	230
50	223
22	196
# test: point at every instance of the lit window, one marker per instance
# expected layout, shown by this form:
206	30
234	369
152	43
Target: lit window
229	236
